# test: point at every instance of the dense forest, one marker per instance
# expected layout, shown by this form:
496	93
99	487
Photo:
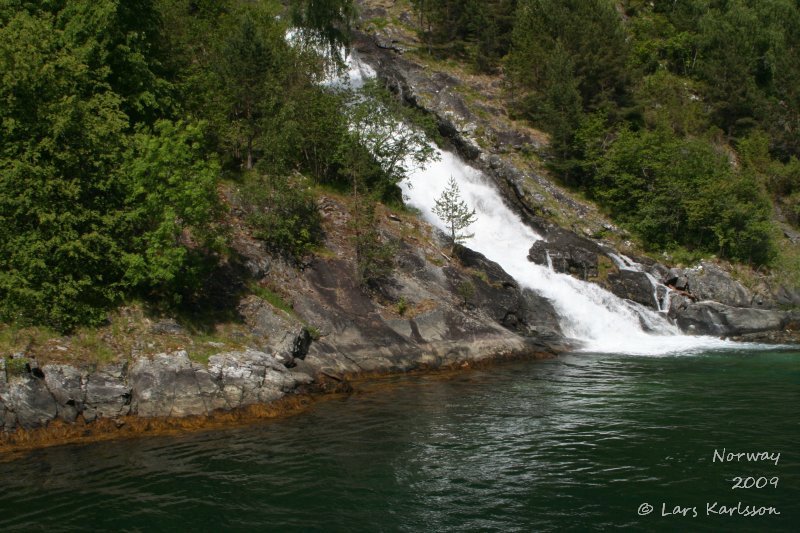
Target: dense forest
122	120
123	125
680	118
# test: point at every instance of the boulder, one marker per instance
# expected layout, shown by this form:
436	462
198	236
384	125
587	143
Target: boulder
167	385
27	403
632	285
676	279
569	254
250	377
713	318
709	282
787	296
171	385
284	335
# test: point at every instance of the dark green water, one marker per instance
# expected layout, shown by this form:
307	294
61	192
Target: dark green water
578	443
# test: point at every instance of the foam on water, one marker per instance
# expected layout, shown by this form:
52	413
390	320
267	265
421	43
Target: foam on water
601	321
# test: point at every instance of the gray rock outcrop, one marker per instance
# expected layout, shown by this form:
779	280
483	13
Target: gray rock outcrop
568	253
709	282
714	318
166	385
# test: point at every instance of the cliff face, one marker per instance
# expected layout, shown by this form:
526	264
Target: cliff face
701	300
417	318
433	311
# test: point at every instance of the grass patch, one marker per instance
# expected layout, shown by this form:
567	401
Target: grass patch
402	306
313	332
204	346
89	345
376	23
15	340
16	367
128	331
323	252
605	266
481	275
271	297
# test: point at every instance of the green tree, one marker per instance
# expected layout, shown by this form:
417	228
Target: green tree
590	32
324	25
283	213
253	67
91	212
60	145
454	212
683	192
171	221
383	144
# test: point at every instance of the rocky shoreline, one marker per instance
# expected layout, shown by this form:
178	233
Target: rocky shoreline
417	321
420	319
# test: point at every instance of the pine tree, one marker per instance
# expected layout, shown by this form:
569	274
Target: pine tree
454	212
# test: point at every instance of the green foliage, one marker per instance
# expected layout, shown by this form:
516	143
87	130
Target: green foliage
59	202
383	145
402	306
374	253
17	366
324	24
674	191
589	34
172	210
252	69
466	290
641	110
282	212
477	30
87	208
454	212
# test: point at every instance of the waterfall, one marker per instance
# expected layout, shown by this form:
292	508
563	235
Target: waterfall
597	319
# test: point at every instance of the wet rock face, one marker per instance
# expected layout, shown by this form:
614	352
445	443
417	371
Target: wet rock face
581	258
632	285
521	311
569	254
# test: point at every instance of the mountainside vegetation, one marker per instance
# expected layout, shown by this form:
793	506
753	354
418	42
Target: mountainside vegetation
128	129
681	119
124	126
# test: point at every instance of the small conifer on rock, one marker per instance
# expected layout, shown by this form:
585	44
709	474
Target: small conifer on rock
454	212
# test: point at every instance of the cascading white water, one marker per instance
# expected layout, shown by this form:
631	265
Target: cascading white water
598	319
624	262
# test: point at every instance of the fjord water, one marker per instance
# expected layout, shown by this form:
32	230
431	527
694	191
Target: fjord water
576	443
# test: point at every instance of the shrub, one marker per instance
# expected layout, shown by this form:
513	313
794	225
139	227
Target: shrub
283	213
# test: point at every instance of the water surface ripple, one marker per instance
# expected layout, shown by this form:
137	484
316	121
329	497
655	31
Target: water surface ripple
577	443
